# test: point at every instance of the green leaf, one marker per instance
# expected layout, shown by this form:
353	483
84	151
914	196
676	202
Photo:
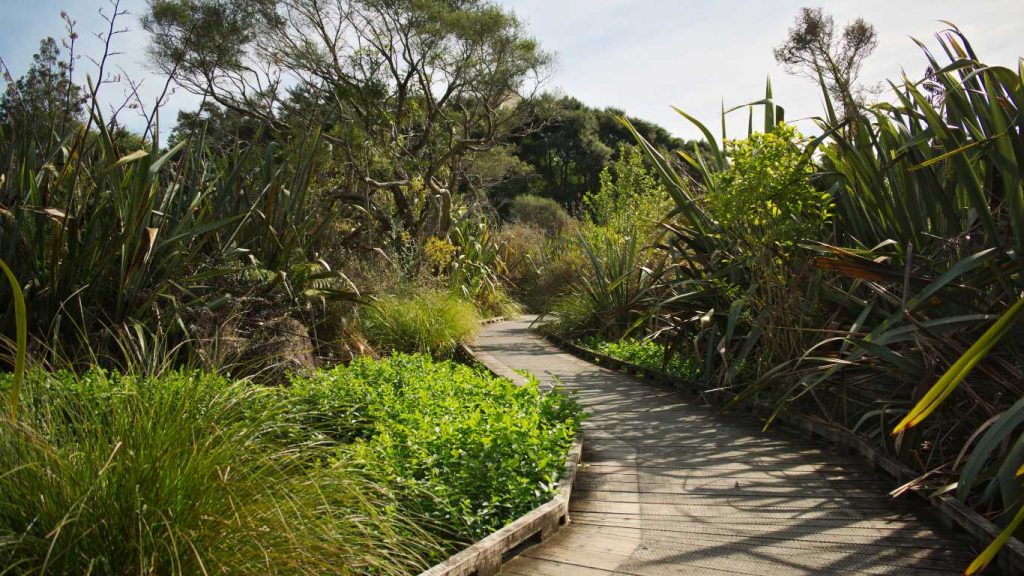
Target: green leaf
960	369
159	163
138	154
998	433
987	555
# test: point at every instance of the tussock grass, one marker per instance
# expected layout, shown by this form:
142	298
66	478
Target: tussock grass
431	322
181	475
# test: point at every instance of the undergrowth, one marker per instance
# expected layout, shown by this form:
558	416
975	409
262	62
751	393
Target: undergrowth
486	449
646	353
182	475
382	467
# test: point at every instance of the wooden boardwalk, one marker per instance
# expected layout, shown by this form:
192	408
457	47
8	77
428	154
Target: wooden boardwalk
672	488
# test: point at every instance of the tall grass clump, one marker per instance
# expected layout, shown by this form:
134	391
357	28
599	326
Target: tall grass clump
430	322
20	344
181	475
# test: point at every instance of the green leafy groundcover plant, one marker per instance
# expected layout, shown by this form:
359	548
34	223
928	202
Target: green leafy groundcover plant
646	353
486	449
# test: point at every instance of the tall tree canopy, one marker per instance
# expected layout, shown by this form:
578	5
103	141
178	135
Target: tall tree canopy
44	103
410	90
572	144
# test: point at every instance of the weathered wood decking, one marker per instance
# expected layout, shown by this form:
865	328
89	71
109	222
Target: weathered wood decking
668	487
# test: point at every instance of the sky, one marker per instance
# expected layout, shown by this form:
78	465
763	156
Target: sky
641	56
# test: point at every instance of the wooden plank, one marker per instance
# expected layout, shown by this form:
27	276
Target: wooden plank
727	484
764	513
795	535
527	566
819	522
665	563
739	496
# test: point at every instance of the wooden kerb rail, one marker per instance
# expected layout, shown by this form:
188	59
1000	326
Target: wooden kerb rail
952	511
486	557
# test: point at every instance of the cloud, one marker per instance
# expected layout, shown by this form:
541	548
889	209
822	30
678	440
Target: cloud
642	56
26	23
647	56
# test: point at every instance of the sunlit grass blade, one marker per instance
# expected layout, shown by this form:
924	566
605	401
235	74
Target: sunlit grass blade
989	553
21	339
960	369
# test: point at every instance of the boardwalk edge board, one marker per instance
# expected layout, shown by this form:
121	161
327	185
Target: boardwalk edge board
952	511
485	557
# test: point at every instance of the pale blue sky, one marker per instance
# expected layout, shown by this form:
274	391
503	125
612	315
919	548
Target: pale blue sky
639	55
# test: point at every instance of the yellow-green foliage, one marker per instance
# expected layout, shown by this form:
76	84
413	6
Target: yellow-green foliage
766	192
631	199
439	253
431	322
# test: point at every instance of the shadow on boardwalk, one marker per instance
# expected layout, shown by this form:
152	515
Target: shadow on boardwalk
672	488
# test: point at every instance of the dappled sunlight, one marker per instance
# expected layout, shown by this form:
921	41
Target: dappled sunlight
672	487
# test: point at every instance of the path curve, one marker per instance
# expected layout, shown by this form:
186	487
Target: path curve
672	488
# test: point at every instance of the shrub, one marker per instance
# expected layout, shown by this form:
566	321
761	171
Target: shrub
522	248
543	213
613	293
631	199
558	273
766	193
487	450
540	269
180	475
645	353
429	322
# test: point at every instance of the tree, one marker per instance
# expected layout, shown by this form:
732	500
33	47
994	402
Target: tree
44	104
220	128
813	49
574	143
412	90
565	152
